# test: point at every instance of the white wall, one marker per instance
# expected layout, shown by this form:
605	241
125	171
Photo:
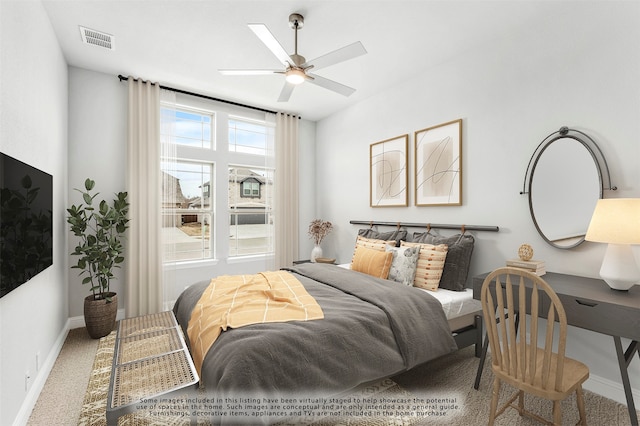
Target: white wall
97	150
579	70
33	129
307	184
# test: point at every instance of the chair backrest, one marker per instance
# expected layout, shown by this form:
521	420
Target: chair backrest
514	351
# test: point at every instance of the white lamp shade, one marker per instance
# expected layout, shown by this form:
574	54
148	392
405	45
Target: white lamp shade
617	221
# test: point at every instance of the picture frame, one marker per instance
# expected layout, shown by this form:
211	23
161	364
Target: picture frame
438	165
388	172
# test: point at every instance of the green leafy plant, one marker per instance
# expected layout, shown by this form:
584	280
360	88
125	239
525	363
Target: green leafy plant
100	230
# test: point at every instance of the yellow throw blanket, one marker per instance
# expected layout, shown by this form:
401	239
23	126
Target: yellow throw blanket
238	300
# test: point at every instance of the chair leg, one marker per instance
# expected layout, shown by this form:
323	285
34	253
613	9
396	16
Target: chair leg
557	413
521	403
580	402
494	401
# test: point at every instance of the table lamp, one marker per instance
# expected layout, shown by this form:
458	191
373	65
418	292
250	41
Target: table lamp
616	221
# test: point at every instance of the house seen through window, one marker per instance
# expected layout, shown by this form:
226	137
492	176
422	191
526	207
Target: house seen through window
250	212
207	215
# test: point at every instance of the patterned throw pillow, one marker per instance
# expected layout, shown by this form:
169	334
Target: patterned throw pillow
404	263
456	269
372	262
373	243
430	265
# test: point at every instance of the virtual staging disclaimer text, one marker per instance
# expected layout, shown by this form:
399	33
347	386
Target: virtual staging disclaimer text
302	406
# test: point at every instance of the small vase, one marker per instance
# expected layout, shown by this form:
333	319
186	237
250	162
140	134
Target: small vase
316	253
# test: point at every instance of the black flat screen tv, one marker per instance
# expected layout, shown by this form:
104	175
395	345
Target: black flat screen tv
26	238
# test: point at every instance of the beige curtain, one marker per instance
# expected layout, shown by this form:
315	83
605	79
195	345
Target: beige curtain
286	191
144	290
169	163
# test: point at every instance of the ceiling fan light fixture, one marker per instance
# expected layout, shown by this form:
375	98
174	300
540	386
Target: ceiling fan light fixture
296	68
295	76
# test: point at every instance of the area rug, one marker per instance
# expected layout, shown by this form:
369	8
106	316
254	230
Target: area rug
382	404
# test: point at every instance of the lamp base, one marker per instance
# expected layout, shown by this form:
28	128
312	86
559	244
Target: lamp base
619	268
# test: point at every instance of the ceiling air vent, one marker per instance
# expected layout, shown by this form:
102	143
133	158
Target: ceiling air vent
97	38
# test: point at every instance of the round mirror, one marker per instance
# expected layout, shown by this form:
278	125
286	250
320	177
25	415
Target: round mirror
564	187
565	176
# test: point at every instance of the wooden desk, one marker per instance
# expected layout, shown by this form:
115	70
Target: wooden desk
592	305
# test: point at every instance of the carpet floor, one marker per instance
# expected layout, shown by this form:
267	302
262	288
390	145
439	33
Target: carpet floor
75	394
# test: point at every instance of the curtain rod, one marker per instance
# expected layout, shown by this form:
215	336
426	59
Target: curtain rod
184	92
427	225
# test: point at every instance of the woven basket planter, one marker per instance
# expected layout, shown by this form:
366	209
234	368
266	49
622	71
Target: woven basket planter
100	315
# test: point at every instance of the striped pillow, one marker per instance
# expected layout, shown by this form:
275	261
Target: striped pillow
371	243
372	262
430	264
375	244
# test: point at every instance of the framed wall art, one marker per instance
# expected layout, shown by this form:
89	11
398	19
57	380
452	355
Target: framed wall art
388	175
438	165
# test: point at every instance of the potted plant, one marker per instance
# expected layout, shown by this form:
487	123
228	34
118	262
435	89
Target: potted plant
318	229
100	228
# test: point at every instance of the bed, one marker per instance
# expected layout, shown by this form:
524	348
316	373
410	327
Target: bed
463	313
373	328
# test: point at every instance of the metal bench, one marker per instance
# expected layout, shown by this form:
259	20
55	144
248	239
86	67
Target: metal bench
150	360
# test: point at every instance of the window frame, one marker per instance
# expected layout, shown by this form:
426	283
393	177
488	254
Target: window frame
220	156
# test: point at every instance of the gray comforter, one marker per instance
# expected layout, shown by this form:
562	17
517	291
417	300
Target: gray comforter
372	329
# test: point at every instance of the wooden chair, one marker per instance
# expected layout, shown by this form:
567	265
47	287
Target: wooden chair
516	358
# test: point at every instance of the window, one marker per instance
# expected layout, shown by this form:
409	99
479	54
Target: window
250	188
187	210
250	219
187	127
216	198
248	137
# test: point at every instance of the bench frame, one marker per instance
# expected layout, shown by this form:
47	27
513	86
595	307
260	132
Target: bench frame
150	360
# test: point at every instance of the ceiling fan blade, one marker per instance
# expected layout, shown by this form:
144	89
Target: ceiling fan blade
343	54
285	94
248	72
331	85
270	41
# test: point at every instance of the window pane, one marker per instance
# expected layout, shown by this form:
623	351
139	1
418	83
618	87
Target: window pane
247	137
190	239
250	211
184	127
251	233
187	210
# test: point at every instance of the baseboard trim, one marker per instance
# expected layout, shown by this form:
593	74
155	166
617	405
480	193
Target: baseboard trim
22	418
41	378
78	322
611	389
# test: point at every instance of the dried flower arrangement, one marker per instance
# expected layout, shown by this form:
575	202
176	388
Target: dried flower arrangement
318	229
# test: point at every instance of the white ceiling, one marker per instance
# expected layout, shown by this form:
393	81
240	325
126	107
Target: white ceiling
182	44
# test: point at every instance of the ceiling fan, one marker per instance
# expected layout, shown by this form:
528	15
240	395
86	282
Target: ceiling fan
296	66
